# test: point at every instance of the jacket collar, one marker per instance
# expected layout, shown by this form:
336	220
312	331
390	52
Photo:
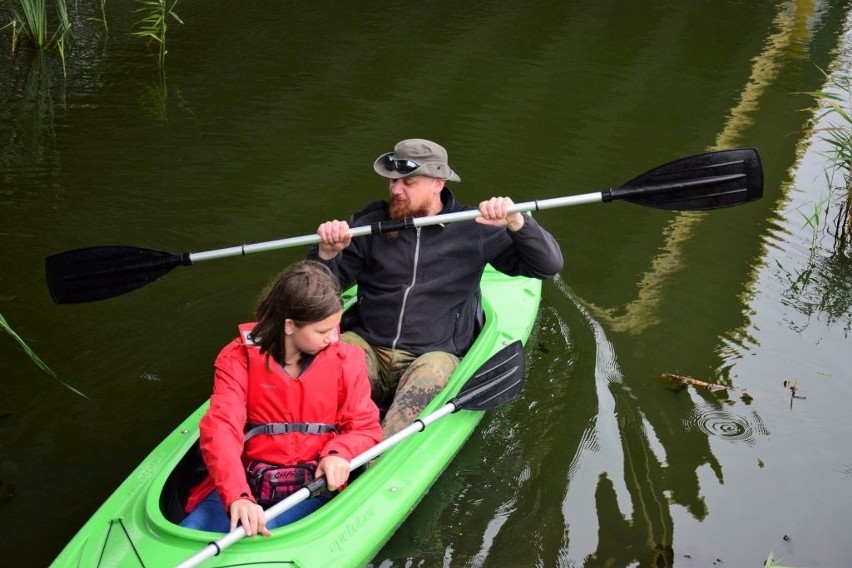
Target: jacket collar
449	201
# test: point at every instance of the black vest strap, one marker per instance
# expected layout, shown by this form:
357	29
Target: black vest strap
288	427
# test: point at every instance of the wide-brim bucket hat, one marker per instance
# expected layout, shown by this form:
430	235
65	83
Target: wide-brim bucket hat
415	157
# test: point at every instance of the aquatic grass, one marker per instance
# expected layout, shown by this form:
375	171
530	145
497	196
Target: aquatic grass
835	107
31	16
32	20
155	24
15	24
45	24
32	355
813	216
6	327
103	18
822	285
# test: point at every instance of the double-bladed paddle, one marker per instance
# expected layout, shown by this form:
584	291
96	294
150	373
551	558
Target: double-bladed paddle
705	181
496	382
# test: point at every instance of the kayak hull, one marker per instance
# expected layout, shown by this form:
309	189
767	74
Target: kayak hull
132	529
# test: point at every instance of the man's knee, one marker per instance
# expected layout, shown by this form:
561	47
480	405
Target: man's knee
369	354
430	370
355	339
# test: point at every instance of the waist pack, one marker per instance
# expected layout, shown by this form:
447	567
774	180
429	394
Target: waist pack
271	483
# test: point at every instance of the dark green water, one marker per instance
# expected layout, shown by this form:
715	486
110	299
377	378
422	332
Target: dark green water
267	124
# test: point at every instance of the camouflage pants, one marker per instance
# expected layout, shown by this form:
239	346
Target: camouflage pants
402	382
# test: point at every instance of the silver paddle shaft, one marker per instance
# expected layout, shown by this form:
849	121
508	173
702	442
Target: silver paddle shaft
538	205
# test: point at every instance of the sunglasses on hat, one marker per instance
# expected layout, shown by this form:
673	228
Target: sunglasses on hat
402	165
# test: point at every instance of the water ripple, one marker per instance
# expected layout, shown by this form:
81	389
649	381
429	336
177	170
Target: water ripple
724	424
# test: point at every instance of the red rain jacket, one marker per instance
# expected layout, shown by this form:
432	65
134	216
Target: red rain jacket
249	388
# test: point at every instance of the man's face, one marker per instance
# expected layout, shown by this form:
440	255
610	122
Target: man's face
415	196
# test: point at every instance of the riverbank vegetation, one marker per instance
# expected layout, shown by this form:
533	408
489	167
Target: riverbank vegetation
832	214
154	24
43	28
824	286
44	25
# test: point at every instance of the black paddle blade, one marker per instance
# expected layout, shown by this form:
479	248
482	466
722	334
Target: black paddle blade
96	273
706	181
497	381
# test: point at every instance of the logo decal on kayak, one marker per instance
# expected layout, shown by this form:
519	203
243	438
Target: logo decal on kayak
350	529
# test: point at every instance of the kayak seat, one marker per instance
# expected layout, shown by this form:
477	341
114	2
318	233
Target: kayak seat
189	472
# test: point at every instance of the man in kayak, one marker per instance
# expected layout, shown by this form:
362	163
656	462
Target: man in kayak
418	308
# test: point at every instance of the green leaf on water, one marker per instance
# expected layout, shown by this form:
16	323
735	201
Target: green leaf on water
35	358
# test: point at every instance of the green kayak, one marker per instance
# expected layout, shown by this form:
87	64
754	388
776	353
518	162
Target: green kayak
136	527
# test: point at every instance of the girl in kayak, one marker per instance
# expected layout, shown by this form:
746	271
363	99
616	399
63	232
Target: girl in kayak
290	402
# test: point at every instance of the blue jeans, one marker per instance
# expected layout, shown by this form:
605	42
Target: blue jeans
210	514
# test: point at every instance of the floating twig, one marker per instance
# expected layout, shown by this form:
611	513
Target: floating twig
712	387
683	379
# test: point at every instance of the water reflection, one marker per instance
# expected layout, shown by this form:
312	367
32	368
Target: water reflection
599	458
821	289
793	24
621	474
35	94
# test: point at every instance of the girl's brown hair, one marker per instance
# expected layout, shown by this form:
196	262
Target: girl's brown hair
305	292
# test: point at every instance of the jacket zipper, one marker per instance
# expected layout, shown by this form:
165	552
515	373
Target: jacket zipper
408	290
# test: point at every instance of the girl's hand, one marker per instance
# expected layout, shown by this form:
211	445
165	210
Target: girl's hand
335	469
250	515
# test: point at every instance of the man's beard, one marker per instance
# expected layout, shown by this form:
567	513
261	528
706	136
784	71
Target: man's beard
398	211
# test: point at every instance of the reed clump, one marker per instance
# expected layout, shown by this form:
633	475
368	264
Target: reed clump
832	214
155	23
44	24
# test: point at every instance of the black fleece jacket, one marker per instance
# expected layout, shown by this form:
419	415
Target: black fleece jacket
419	291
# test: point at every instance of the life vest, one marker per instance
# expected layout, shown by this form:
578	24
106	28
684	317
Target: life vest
275	399
290	419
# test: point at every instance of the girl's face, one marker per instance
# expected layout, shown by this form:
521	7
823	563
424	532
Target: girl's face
313	337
